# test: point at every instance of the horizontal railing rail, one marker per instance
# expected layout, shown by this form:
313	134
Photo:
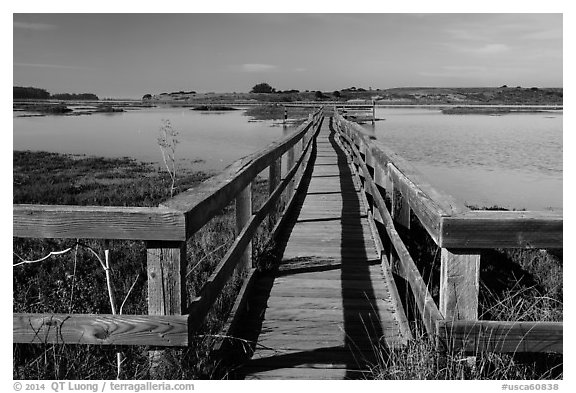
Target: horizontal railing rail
172	317
461	234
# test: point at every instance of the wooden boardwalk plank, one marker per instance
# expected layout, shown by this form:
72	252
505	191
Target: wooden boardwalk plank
327	306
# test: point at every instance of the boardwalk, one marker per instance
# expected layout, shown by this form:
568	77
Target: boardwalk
331	299
320	315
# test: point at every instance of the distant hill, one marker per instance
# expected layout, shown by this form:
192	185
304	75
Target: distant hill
404	95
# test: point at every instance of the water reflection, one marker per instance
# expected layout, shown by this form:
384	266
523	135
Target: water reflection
206	141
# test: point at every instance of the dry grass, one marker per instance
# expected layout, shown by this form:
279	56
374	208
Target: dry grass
515	285
76	283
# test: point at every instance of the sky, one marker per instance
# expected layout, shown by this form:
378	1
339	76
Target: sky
129	55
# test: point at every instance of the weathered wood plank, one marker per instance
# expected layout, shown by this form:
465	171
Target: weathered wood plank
505	229
497	336
400	204
427	202
275	175
428	309
166	270
102	329
307	316
306	373
428	212
97	222
243	214
200	306
459	284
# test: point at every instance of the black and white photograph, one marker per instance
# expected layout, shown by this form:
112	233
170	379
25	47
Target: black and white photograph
307	195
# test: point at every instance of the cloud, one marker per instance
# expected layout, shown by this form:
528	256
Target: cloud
551	34
45	65
487	49
256	67
300	69
451	71
33	26
490	49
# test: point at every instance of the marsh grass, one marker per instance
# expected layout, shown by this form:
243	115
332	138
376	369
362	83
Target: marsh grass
75	282
515	285
276	112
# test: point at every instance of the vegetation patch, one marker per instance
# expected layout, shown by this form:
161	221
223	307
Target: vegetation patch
219	108
75	282
276	112
54	109
515	285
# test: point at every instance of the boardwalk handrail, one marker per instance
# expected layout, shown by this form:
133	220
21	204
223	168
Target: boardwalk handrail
460	233
165	229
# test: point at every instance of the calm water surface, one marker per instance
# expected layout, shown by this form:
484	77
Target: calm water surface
207	141
512	160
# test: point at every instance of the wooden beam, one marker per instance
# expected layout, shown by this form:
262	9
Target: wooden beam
424	301
503	229
166	267
428	203
459	284
97	222
400	204
385	156
200	306
243	214
274	178
427	210
102	329
496	336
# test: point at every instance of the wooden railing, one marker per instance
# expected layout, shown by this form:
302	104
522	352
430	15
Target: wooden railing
172	317
461	234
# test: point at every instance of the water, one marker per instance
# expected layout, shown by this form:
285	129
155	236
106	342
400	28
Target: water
513	160
207	141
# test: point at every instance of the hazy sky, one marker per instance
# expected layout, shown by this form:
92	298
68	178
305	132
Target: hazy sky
128	55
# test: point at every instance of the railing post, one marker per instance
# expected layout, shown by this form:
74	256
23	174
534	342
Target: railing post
273	181
459	284
243	214
166	266
289	164
400	206
380	181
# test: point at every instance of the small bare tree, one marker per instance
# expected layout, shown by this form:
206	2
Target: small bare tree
167	142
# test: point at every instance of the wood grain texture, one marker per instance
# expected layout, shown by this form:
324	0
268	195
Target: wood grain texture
243	214
459	284
200	306
97	222
275	174
166	271
505	229
400	258
328	303
498	336
165	331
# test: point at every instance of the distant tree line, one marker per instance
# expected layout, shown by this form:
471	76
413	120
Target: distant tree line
81	96
30	93
34	93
